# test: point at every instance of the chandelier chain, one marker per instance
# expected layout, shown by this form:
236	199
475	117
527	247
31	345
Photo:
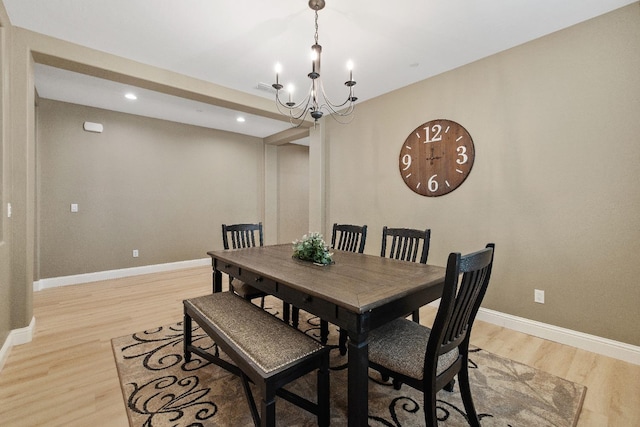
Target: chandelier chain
316	35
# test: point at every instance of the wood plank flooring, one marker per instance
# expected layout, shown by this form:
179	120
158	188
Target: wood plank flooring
67	376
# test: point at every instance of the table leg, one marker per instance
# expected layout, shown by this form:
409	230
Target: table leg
286	311
187	336
217	281
358	382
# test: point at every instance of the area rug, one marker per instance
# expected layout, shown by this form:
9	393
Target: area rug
160	389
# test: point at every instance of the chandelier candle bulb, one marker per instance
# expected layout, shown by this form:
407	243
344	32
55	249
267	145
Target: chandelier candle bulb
277	86
316	50
290	89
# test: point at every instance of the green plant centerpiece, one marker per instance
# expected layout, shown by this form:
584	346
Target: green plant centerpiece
312	248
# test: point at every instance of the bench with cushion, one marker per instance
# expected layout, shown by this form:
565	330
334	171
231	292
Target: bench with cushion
264	350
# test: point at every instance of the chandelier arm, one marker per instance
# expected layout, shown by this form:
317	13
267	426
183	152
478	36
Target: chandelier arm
349	118
297	112
296	120
340	113
337	106
288	106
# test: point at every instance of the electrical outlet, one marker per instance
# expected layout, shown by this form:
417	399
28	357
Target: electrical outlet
538	296
135	253
74	207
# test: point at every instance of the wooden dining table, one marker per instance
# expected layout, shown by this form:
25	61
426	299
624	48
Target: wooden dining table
358	293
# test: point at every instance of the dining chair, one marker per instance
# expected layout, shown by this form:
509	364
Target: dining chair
348	237
237	236
351	238
344	237
406	244
429	359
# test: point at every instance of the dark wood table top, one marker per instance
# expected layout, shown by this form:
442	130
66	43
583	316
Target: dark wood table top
356	282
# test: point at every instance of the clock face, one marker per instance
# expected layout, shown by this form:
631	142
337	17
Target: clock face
436	157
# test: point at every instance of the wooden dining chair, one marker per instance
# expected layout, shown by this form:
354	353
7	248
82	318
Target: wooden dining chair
406	244
348	237
344	237
237	236
430	359
351	238
403	244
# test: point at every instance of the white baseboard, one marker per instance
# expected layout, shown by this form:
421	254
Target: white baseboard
595	344
55	282
16	337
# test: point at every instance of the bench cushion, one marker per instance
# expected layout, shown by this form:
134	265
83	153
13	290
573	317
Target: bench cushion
266	340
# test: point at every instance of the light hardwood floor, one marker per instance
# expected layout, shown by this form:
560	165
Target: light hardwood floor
67	376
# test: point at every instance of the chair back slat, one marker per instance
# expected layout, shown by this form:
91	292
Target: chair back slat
460	301
406	244
241	235
347	237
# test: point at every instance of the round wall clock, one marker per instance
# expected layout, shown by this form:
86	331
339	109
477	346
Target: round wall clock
436	157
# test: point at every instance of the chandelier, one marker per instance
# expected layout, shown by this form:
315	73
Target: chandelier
316	102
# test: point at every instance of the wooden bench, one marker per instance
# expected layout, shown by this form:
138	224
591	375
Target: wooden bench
264	349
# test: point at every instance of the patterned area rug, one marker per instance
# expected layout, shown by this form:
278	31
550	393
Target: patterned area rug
160	389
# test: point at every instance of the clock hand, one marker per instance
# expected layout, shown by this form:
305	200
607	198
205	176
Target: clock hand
433	157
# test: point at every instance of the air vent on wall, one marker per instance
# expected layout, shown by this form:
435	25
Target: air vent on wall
265	87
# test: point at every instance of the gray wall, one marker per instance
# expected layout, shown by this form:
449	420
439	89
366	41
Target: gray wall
5	248
555	182
293	192
160	187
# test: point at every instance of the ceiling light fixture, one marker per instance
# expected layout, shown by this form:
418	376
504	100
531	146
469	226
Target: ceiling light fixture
316	101
131	96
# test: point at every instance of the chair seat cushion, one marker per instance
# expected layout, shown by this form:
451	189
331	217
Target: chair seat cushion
246	291
400	346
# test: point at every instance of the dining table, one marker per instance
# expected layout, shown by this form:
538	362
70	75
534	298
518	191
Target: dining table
357	292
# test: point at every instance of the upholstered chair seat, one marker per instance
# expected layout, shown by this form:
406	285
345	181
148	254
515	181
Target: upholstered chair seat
244	290
399	345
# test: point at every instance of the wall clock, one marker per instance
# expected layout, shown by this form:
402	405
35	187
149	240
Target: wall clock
436	157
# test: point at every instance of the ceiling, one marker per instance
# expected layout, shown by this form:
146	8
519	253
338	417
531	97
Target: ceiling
236	43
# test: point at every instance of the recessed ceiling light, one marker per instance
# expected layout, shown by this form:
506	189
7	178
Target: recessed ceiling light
131	96
240	119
